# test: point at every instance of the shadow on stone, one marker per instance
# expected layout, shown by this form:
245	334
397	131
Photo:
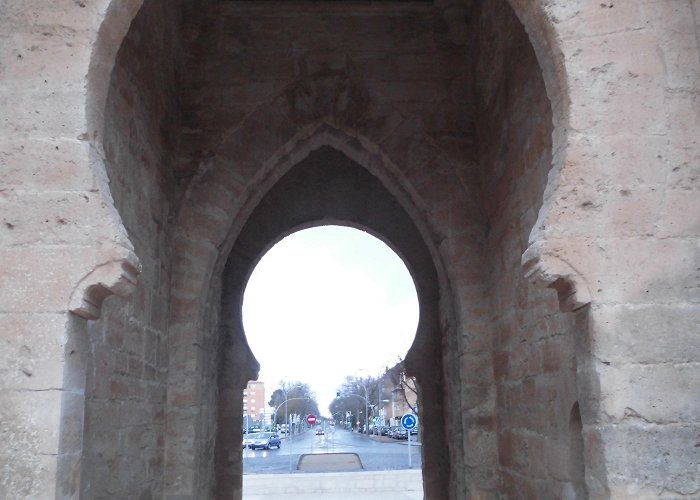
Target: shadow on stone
329	462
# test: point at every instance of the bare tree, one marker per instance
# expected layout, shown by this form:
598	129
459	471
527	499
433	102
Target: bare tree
300	400
352	395
405	386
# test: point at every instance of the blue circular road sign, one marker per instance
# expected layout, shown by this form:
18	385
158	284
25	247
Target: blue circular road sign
408	421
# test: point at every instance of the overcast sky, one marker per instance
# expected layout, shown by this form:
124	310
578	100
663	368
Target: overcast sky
325	303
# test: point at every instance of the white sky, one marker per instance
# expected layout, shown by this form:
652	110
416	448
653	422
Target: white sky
325	303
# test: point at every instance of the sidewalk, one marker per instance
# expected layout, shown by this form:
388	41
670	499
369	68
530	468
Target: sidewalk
376	485
385	439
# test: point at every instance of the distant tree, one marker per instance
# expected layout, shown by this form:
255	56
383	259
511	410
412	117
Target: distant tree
302	400
351	398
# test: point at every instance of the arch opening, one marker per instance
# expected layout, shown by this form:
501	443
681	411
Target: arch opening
325	303
326	187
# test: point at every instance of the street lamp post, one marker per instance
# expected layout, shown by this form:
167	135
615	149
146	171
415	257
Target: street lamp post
366	412
285	416
286	406
366	405
286	413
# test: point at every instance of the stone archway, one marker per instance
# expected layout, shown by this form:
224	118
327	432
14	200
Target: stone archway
239	365
329	109
326	187
601	178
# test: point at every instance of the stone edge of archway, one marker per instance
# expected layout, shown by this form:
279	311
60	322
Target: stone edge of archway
117	276
116	266
544	262
425	276
215	252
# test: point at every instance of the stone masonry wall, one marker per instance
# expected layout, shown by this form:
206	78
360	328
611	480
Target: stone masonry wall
617	227
533	342
261	79
58	233
124	414
240	57
621	221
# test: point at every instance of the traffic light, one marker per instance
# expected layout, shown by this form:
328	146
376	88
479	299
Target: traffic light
337	395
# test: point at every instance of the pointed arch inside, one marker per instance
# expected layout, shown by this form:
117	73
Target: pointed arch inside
327	187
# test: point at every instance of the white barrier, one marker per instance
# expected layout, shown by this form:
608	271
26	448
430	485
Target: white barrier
274	485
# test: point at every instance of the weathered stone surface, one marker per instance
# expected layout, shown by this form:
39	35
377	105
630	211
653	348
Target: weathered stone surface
144	136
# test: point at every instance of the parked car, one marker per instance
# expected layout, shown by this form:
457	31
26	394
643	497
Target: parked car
401	433
265	441
392	431
319	432
398	432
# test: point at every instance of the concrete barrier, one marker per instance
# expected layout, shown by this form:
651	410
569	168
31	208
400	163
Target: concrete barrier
329	462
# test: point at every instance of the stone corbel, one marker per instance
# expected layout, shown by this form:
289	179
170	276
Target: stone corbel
547	269
115	275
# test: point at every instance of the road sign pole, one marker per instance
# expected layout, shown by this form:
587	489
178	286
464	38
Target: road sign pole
408	422
409	450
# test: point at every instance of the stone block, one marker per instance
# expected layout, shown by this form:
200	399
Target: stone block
56	218
31	424
43	113
596	19
35	280
677	34
555	355
685	168
620	270
602	209
72	413
33	347
673	451
35	61
29	479
68	18
617	159
684	145
557	459
646	333
627	84
30	164
660	394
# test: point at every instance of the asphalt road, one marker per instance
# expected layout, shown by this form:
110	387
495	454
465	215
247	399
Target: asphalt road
375	455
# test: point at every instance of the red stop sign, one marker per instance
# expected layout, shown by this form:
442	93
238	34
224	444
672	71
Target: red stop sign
311	419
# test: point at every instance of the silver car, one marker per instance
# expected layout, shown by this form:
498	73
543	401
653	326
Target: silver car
264	440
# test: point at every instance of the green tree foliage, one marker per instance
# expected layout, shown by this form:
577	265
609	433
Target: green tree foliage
302	400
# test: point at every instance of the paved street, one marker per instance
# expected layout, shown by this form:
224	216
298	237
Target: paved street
375	454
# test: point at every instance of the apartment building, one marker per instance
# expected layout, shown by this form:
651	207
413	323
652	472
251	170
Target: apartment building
254	400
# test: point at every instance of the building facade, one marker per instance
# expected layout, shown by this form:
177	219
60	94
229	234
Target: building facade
254	402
